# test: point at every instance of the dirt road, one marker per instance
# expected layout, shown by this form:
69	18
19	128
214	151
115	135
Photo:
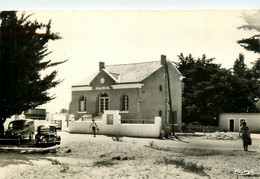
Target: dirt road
83	156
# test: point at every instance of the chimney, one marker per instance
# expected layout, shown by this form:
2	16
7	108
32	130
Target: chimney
101	65
163	59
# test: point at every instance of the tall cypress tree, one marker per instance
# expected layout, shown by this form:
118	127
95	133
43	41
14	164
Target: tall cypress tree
23	48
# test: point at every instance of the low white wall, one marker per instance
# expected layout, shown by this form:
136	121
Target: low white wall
113	126
141	130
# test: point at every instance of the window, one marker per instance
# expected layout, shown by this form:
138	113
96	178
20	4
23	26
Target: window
160	113
103	103
110	119
124	103
83	104
160	88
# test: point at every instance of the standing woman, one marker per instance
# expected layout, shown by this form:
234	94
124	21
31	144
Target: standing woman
245	135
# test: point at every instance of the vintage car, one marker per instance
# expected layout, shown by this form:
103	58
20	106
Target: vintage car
197	127
47	135
18	130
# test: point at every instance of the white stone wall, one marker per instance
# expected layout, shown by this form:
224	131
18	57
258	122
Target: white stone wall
114	127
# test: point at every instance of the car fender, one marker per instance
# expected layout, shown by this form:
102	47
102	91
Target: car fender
19	135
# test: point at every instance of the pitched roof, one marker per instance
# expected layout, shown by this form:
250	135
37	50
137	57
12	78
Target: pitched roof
86	81
127	73
134	72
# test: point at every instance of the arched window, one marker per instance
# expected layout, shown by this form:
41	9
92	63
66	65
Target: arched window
124	103
103	103
82	103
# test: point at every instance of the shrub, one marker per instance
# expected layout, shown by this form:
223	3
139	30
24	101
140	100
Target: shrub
187	166
64	168
117	138
151	144
55	162
101	163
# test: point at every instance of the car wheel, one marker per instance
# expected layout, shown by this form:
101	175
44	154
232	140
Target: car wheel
19	140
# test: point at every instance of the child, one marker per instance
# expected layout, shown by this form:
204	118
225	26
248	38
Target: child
94	126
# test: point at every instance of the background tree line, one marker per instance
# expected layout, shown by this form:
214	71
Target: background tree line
210	90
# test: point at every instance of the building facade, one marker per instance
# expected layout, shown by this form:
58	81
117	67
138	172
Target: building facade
138	91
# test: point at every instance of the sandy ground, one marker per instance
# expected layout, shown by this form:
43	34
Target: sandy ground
83	156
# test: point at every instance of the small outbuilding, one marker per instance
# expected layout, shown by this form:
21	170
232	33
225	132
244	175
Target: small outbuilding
35	114
232	121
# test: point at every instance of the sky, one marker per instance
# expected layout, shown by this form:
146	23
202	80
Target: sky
129	4
119	33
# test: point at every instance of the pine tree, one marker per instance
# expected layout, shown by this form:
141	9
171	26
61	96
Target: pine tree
252	23
239	67
23	48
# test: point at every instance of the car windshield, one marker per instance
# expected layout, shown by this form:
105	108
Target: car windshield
16	125
46	129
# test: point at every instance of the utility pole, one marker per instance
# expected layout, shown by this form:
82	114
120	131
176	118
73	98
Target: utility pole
169	93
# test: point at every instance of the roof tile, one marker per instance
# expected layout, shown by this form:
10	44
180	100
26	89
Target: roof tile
126	73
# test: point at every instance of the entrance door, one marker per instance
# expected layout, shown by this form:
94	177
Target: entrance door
103	103
231	125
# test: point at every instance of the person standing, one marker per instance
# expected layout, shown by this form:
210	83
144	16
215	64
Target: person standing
245	131
94	127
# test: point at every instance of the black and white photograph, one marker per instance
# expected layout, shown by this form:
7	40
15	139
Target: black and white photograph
130	89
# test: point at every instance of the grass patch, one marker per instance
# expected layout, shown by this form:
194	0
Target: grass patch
200	152
102	163
152	145
187	166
